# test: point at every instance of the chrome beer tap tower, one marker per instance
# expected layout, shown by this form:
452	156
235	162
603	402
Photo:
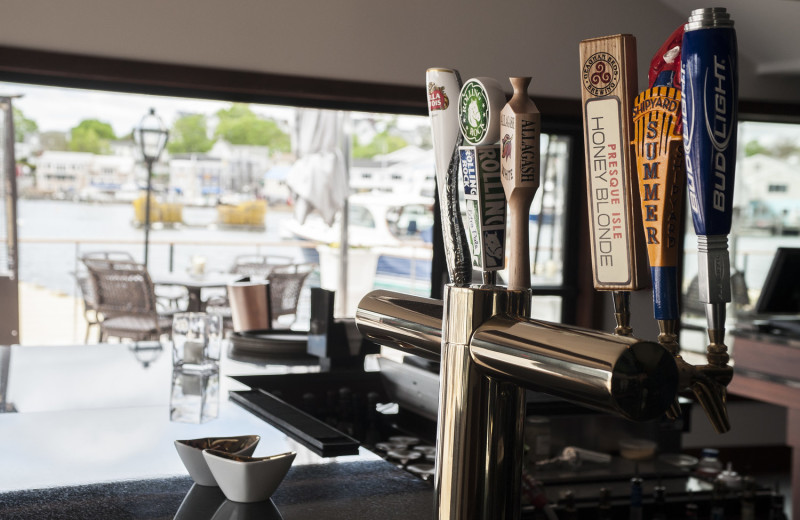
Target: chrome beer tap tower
489	347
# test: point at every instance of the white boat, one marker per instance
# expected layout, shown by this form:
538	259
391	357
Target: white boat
396	228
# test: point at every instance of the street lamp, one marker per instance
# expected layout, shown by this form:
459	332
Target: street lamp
151	136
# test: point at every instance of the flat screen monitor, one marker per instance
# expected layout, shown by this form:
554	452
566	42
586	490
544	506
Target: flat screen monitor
781	292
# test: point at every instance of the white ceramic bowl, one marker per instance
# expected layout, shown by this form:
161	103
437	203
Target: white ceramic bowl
191	453
248	479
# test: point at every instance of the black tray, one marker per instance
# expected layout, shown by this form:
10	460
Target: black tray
273	341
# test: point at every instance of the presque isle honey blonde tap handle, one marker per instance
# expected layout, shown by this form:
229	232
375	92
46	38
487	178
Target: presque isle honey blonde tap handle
608	85
520	127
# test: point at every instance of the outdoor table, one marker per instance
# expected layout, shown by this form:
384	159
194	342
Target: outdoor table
194	284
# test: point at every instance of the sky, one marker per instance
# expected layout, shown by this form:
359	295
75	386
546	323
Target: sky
61	109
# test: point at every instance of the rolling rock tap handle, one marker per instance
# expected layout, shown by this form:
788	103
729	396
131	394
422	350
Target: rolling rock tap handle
486	208
479	104
442	85
709	78
520	124
658	146
608	81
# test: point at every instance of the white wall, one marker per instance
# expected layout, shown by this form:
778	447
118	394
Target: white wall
388	41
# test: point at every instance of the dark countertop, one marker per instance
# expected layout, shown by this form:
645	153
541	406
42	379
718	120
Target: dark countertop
92	438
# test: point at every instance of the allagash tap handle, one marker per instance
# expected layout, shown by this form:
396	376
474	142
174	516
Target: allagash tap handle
709	78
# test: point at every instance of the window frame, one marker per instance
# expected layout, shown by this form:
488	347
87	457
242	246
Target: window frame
580	303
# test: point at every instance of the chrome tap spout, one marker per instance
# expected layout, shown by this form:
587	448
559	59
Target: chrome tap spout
490	353
411	324
622	375
709	384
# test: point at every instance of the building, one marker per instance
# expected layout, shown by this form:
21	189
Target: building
196	178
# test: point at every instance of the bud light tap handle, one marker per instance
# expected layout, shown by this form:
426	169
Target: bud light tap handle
709	79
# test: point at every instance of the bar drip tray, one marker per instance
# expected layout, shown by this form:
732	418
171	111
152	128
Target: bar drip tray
312	433
331	413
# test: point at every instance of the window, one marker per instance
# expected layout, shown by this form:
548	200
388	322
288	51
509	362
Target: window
548	218
766	216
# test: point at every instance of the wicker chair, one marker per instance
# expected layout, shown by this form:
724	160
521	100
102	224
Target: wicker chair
285	283
126	300
258	266
90	313
168	297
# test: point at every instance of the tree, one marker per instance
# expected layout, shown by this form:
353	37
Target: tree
54	140
240	125
189	134
754	148
23	127
91	136
382	143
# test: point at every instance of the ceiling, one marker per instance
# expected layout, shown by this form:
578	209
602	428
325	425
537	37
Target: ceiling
394	42
768	32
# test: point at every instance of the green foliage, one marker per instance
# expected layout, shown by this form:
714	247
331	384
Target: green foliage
754	148
383	142
54	140
91	136
23	127
189	134
782	149
240	125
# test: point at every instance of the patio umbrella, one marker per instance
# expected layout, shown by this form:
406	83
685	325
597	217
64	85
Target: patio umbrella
319	178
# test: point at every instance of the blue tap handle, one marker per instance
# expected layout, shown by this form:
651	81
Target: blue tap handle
709	81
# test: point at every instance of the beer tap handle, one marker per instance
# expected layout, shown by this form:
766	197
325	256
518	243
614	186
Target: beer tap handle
709	79
443	87
709	75
520	124
608	78
661	168
486	208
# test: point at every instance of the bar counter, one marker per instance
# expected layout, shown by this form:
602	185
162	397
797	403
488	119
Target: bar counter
91	437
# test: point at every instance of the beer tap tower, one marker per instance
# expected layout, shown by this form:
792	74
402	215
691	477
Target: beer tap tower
491	351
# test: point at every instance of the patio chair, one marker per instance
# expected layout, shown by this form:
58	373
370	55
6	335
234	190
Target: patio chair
168	297
127	301
90	313
258	266
285	284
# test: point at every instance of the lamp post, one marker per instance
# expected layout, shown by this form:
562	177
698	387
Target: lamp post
151	136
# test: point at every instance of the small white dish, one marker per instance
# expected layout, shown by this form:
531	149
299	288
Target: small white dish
230	510
248	479
191	453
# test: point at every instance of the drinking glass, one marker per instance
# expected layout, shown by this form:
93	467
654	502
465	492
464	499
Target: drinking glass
196	339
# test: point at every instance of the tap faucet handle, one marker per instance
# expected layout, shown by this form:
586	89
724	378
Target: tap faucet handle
709	79
608	80
661	177
486	208
444	86
520	128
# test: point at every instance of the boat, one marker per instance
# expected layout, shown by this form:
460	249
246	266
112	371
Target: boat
248	214
395	228
166	214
